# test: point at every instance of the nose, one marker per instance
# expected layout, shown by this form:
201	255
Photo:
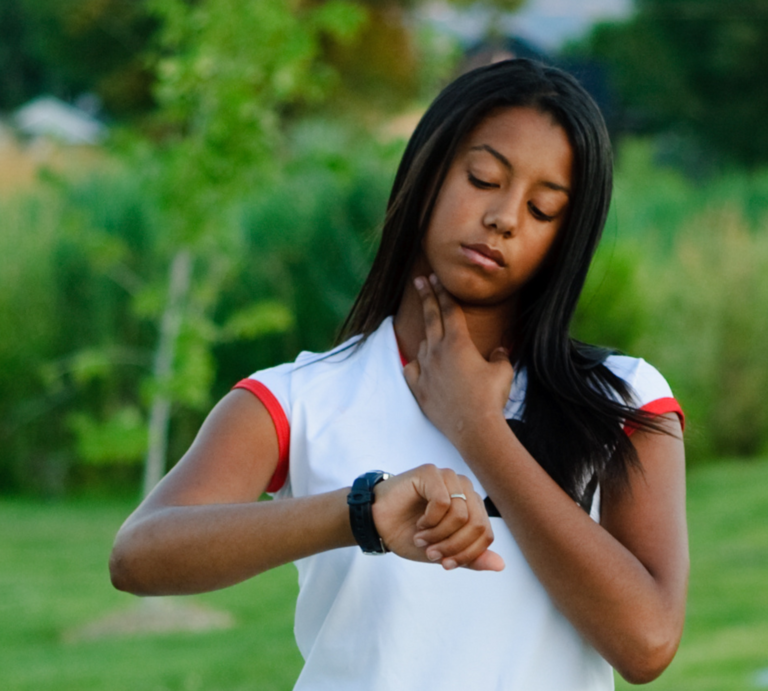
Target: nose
504	213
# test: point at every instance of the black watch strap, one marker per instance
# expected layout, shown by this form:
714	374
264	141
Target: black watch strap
360	500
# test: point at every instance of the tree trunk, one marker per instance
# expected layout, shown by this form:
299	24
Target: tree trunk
160	413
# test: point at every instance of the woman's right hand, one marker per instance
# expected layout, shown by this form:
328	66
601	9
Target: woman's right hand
419	520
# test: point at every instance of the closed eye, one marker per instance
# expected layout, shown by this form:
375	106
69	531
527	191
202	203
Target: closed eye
539	214
481	184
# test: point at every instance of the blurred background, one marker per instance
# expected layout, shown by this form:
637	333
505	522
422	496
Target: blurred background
192	190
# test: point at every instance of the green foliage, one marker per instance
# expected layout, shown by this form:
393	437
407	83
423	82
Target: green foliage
261	319
120	438
82	279
708	306
225	71
70	342
682	280
68	47
696	67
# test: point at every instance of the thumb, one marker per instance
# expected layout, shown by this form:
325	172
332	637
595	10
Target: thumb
487	561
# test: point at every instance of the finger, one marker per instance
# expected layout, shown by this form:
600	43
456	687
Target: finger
501	354
458	486
452	315
430	484
463	547
456	513
433	321
468	541
454	519
412	372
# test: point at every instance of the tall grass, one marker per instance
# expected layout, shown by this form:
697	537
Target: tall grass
681	279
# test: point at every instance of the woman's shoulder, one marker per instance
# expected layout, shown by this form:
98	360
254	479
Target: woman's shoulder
311	369
647	384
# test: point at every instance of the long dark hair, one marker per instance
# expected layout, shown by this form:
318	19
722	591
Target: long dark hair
574	406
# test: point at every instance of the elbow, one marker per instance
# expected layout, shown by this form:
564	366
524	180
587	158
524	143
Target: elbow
648	659
125	566
120	573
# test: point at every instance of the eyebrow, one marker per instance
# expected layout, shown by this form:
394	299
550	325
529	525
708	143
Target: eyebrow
505	162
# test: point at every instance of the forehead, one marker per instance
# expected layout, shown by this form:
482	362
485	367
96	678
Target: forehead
523	134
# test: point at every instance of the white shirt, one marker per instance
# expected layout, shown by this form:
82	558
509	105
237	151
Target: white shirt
384	623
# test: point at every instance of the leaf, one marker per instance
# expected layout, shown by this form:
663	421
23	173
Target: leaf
90	364
262	319
121	438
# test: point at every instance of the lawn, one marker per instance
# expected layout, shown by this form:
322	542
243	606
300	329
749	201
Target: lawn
725	644
54	580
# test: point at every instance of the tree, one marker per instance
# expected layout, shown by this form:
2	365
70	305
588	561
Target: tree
696	66
225	72
68	47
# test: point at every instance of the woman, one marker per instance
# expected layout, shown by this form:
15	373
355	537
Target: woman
461	379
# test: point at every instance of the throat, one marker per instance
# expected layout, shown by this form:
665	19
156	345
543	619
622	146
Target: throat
489	326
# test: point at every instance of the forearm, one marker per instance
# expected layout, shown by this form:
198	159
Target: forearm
189	549
630	614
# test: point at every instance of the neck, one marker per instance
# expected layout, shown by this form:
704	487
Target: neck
488	325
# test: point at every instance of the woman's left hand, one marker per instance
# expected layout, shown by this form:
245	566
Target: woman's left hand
455	386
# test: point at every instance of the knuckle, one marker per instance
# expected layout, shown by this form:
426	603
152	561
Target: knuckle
478	532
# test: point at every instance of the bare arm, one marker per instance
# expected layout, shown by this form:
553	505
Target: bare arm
202	528
623	582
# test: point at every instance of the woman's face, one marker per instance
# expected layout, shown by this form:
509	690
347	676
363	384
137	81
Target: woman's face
501	206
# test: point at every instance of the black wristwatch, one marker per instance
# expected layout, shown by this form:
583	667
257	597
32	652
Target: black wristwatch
360	499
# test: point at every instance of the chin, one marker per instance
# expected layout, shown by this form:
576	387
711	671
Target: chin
477	298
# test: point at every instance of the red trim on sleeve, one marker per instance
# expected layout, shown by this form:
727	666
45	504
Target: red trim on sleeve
282	427
661	406
403	359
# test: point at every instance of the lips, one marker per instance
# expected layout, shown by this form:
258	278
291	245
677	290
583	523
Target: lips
487	252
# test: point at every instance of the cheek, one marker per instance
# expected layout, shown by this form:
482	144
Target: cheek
543	251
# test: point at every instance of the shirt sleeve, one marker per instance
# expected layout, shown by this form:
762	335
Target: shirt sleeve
651	392
272	387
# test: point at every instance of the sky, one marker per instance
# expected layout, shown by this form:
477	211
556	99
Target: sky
545	23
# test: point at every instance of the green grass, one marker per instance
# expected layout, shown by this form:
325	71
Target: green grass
725	643
53	578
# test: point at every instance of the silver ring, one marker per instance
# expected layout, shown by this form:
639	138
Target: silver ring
459	495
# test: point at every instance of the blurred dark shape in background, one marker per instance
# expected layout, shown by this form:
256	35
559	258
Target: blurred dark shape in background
693	67
69	47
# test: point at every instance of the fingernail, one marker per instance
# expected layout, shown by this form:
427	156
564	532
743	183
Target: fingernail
434	555
433	279
419	282
420	542
449	564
